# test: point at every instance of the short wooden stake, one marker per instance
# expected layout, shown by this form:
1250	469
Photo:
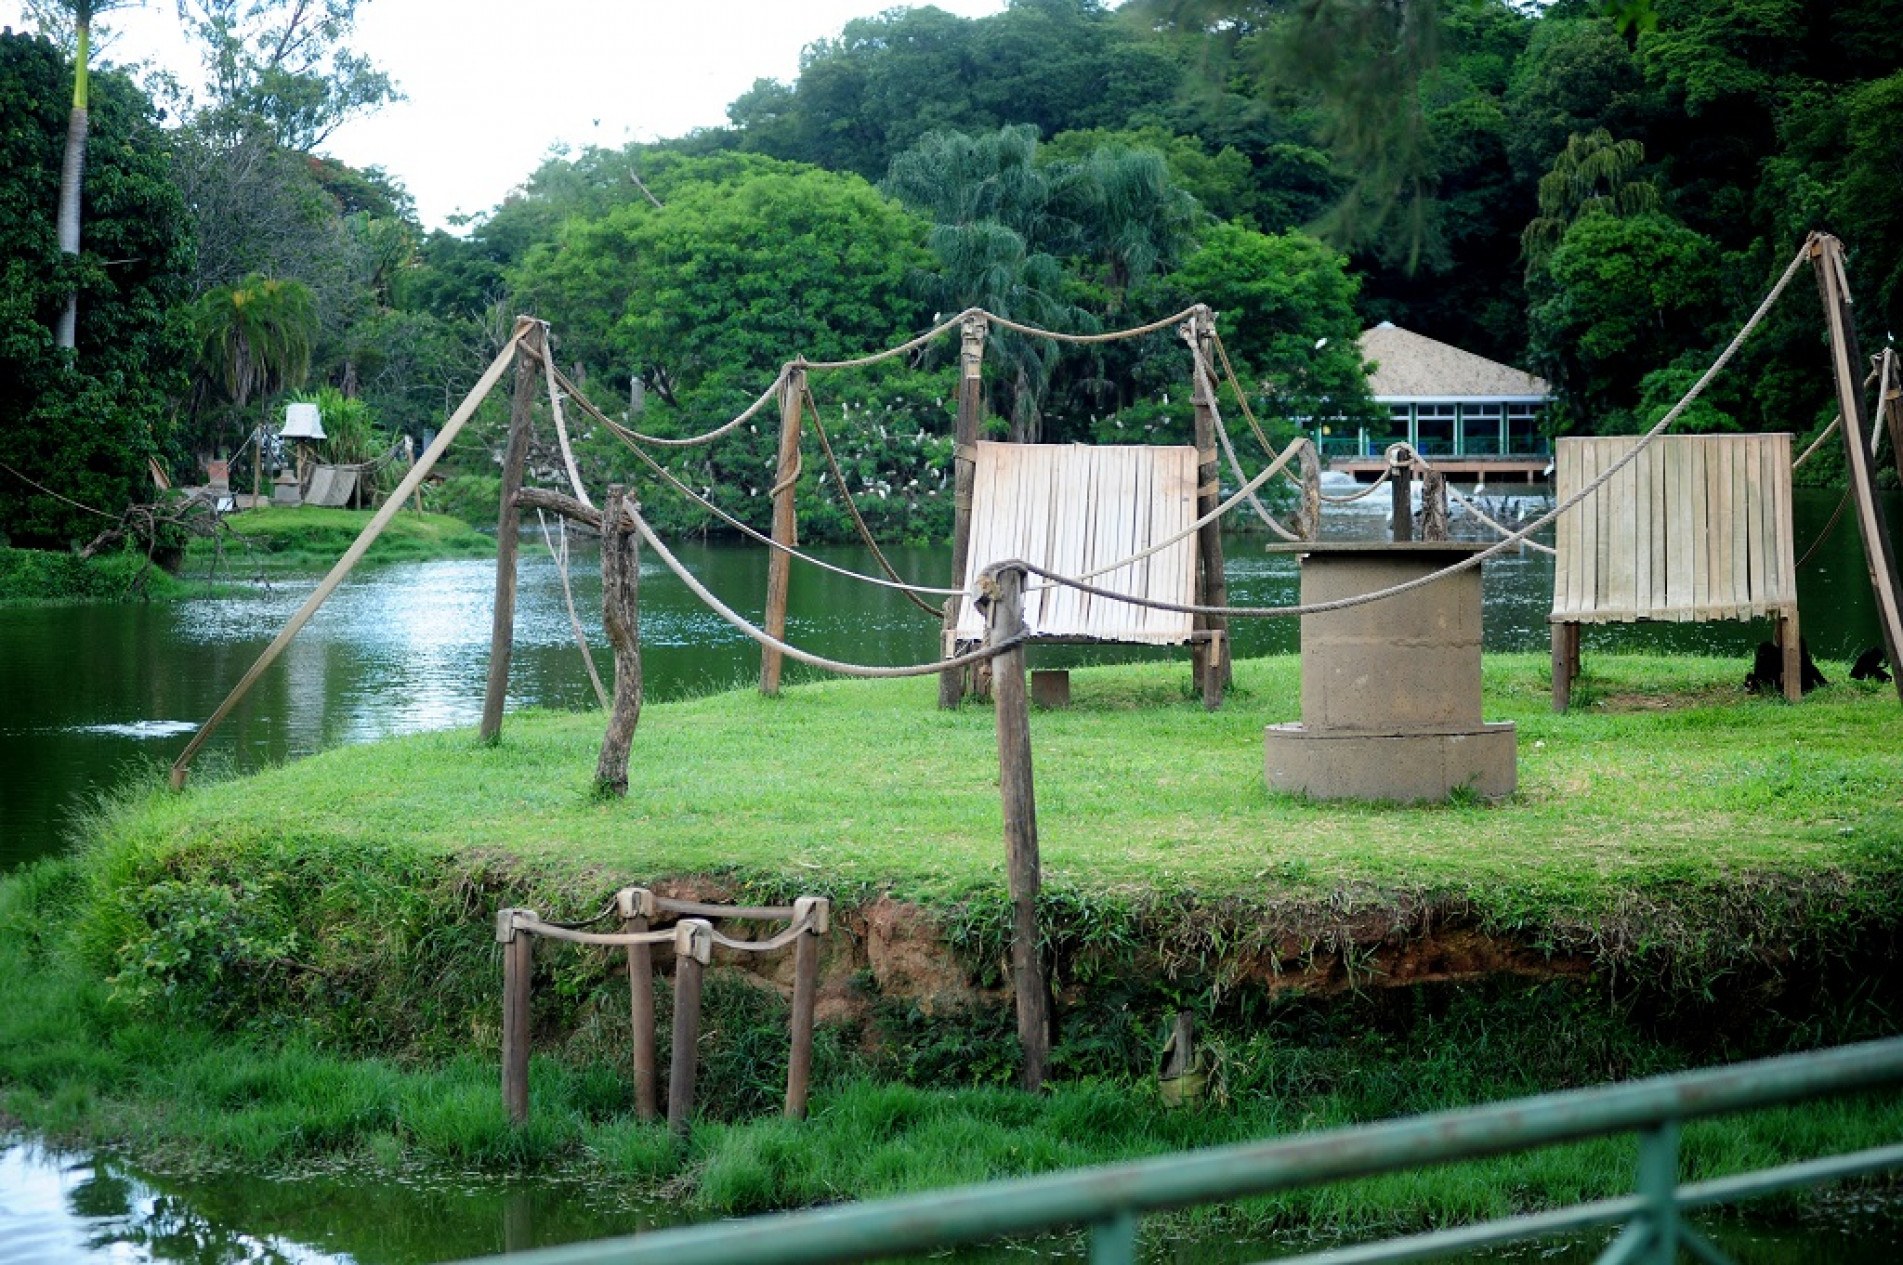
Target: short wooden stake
636	907
1401	486
693	950
518	969
528	360
1792	648
1212	679
1562	669
799	1062
779	571
1005	589
621	619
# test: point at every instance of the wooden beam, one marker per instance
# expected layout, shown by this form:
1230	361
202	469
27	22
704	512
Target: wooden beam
528	354
779	572
1004	589
353	555
1827	255
971	357
1213	585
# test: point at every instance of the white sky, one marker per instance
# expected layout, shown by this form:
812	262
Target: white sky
493	84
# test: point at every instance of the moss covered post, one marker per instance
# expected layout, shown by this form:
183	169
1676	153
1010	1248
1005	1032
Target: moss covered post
785	524
971	388
518	970
636	907
530	348
816	912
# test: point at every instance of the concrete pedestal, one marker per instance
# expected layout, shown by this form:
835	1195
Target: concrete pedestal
1390	689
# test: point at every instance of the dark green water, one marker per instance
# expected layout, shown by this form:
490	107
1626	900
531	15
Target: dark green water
91	689
76	1209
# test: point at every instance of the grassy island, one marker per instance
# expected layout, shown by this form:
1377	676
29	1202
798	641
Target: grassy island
311	538
299	964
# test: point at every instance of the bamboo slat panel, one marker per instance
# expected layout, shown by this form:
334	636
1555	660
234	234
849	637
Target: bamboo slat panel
1697	527
1074	508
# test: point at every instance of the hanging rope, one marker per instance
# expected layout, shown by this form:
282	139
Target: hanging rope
568	596
1113	336
1514	539
852	507
561	428
1205	381
793	652
719	432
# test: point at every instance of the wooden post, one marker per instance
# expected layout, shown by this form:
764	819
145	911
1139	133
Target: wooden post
518	969
1791	647
971	398
785	524
528	355
1827	254
1004	588
1890	397
409	455
257	463
636	907
1213	590
621	618
1562	666
1401	486
799	1062
693	950
1308	523
1433	505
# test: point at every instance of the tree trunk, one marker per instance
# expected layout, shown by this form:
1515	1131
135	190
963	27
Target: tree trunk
72	174
620	610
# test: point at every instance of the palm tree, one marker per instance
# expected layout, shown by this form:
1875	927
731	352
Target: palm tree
54	17
255	338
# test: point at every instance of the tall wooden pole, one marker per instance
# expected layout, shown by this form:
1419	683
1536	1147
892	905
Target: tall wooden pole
528	362
1214	589
1890	396
971	398
785	524
1827	253
1005	590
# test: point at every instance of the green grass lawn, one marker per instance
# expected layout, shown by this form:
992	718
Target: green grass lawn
1666	774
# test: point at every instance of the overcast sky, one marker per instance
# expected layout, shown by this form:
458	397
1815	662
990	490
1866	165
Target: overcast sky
492	84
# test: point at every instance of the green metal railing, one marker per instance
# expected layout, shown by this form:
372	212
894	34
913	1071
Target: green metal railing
1110	1199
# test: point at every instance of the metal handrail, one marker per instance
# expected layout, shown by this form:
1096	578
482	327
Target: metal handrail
1109	1199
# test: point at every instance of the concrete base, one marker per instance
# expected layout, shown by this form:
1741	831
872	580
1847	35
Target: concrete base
1401	767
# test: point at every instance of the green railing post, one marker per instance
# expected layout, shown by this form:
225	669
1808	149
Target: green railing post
1113	1241
1658	1186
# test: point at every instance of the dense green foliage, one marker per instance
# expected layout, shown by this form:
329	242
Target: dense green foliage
84	423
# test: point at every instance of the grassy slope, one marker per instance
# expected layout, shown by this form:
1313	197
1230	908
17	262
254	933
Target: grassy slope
312	538
43	575
1674	779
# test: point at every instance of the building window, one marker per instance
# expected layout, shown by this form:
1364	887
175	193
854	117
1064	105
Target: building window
1480	429
1525	429
1434	428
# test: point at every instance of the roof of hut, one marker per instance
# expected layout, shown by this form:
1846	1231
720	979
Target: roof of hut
1410	366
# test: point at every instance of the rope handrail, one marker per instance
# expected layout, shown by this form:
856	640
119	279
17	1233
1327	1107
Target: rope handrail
764	638
852	507
873	358
1110	336
1465	564
1363	493
1242	397
1205	381
561	427
753	533
695	441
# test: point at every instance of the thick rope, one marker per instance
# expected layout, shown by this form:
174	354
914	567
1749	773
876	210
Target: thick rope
696	441
793	652
852	507
1206	382
1242	397
1055	336
1829	527
560	558
561	431
1473	507
55	495
1363	494
1511	541
674	481
910	344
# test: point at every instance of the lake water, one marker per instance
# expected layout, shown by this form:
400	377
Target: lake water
95	691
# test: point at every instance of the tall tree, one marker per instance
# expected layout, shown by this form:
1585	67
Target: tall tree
74	18
287	63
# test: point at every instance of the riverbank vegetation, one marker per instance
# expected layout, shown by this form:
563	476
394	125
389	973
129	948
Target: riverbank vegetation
299	964
49	575
312	539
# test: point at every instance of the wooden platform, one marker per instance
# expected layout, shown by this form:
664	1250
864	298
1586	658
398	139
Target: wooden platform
1073	508
1697	527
